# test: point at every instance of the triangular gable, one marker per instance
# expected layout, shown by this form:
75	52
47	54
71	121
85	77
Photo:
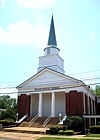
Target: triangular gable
48	77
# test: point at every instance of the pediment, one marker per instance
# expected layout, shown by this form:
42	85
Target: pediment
48	78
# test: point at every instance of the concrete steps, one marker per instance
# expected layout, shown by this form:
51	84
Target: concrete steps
39	122
25	123
53	121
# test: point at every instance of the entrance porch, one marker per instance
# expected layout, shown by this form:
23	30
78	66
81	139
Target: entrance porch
48	104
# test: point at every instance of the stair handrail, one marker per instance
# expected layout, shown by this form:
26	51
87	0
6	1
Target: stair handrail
33	120
47	120
22	118
62	120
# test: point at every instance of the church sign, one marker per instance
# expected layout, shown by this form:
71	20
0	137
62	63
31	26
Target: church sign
46	88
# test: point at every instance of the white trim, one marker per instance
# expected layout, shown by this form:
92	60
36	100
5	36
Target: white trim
91	116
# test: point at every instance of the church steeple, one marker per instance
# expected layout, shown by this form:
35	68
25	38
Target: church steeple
52	36
51	58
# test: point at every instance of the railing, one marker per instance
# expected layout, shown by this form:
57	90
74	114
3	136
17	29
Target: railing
33	120
47	121
63	119
23	118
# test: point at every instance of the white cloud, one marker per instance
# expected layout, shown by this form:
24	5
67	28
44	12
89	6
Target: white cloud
7	90
3	3
23	32
11	91
38	4
92	35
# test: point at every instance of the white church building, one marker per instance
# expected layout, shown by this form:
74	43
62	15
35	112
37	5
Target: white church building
50	92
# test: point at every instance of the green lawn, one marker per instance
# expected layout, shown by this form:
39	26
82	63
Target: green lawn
88	137
85	138
93	135
60	139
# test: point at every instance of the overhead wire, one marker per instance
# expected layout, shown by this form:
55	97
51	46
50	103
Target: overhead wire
31	91
49	82
65	75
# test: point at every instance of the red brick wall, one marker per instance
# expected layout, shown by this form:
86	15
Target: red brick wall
23	106
74	103
86	104
90	105
97	107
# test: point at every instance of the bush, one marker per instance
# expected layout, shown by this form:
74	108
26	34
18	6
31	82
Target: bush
75	123
61	132
9	113
67	132
54	130
7	122
95	129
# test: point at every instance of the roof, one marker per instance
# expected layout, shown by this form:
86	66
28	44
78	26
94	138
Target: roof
52	36
31	78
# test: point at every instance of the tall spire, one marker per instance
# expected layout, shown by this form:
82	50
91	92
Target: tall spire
52	35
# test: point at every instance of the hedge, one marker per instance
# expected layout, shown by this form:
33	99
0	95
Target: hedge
74	123
55	129
6	122
95	129
67	132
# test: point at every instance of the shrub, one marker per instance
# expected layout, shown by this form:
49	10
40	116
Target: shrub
95	129
61	132
9	113
75	123
54	130
7	122
69	132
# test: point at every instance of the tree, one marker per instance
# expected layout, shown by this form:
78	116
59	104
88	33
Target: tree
7	102
10	105
9	113
74	123
97	90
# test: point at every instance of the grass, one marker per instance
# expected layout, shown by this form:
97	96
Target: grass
47	138
85	138
93	135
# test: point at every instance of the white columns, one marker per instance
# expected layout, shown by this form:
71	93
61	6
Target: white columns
53	104
40	105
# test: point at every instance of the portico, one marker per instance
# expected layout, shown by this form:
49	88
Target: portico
48	104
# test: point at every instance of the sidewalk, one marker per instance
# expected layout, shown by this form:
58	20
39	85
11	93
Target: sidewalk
26	133
31	130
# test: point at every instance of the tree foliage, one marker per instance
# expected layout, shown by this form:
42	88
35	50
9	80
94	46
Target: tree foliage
9	104
74	123
97	90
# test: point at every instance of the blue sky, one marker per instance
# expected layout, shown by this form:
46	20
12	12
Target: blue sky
24	29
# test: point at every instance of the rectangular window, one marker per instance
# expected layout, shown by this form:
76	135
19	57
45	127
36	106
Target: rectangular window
48	50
